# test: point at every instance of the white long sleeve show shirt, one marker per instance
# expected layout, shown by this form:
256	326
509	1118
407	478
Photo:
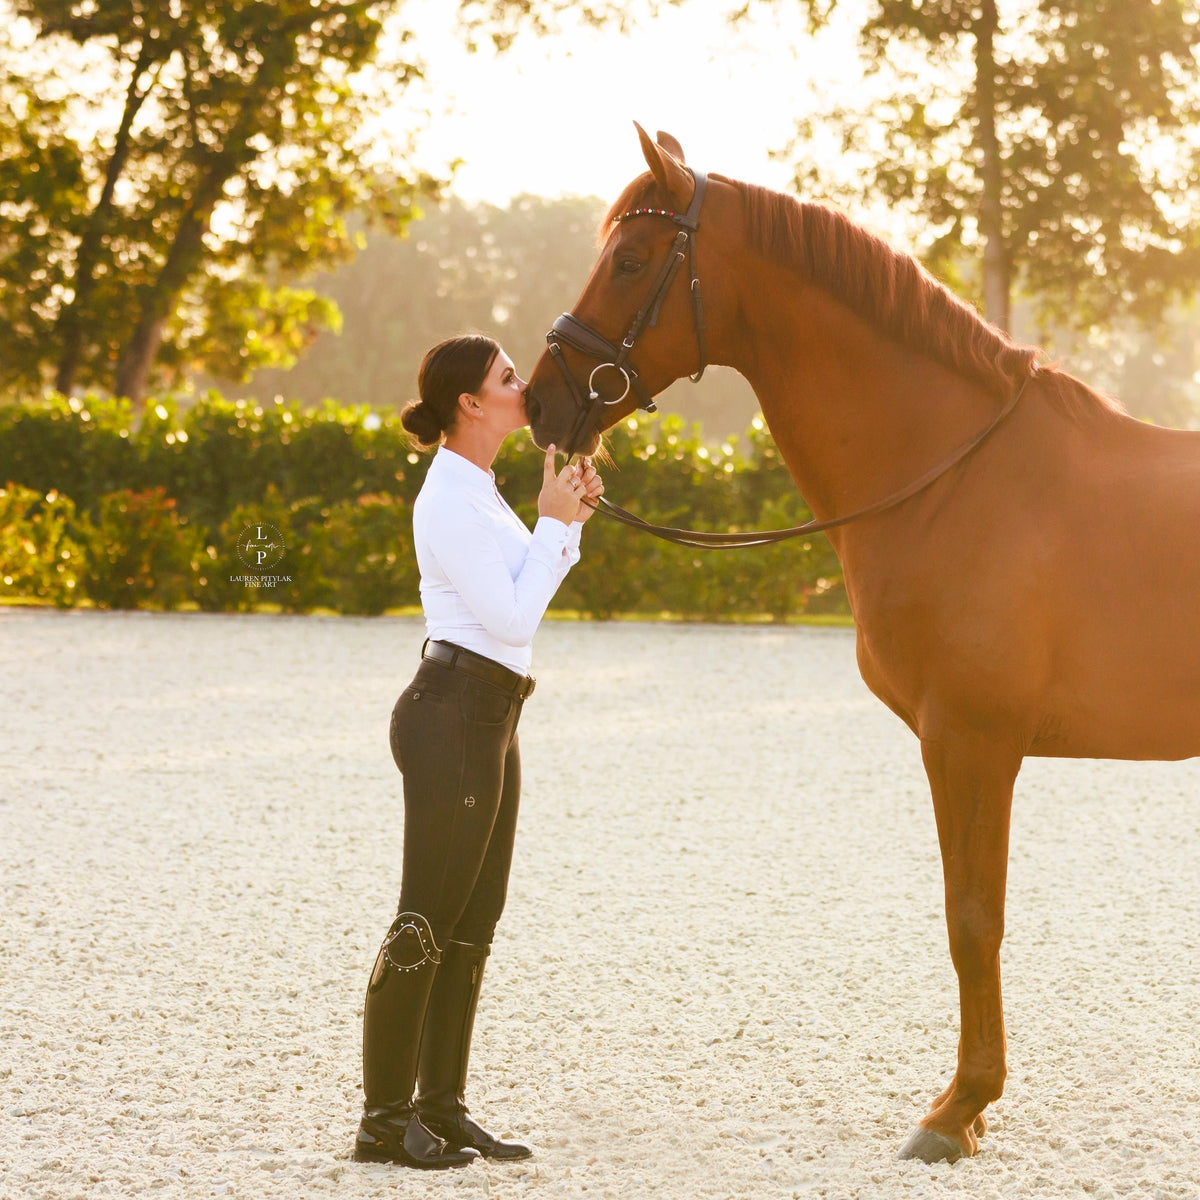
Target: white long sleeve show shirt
486	581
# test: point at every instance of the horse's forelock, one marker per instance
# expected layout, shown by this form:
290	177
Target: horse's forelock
637	194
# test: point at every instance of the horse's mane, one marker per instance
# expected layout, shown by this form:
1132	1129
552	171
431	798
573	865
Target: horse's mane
888	289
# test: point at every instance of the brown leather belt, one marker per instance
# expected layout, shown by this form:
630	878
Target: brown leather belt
470	663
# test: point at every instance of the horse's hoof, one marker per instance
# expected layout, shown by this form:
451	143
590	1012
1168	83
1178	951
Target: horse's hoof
931	1147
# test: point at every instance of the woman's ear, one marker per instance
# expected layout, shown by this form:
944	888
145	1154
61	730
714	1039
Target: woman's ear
469	405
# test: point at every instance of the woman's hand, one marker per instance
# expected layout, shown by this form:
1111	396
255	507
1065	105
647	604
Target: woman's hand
559	497
591	488
570	494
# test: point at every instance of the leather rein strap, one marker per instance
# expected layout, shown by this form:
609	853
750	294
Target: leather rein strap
766	537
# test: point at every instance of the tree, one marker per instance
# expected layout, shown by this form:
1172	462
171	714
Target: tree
240	147
43	187
235	137
1052	143
462	267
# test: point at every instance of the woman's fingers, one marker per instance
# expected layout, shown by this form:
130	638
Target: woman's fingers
562	491
576	475
590	491
591	477
581	482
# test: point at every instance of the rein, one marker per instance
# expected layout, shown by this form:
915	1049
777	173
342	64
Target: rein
767	537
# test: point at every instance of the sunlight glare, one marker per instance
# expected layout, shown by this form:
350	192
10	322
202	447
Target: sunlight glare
554	116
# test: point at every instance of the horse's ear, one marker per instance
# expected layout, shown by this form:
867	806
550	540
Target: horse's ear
670	144
669	173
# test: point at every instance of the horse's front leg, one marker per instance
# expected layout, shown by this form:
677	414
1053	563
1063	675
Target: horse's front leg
971	777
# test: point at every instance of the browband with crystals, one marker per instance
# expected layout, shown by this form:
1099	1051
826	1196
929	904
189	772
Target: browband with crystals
647	212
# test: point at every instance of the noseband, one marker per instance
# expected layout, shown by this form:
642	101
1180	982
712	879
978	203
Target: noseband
580	336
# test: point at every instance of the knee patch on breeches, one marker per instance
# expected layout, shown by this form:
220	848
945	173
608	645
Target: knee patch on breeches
408	946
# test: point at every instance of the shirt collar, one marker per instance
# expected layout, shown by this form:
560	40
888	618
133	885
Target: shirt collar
462	472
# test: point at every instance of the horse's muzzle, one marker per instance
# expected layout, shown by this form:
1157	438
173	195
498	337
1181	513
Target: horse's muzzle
544	422
533	408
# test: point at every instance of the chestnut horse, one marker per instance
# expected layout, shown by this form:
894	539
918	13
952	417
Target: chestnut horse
1040	597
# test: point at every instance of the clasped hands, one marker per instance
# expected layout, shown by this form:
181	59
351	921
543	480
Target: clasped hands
570	494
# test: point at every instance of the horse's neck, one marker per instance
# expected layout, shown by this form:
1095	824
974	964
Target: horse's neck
855	414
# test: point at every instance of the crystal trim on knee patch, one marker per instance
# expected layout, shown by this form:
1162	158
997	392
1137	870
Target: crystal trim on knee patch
409	944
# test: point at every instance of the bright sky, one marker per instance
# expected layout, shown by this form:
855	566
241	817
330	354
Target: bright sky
554	115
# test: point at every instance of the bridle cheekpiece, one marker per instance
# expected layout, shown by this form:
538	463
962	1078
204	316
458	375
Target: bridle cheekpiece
580	336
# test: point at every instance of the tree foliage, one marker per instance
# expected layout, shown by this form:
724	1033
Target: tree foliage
156	228
1053	144
502	21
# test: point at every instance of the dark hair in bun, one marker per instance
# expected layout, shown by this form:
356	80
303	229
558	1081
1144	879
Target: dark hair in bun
457	365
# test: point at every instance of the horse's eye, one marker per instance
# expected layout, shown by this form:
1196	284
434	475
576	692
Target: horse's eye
629	266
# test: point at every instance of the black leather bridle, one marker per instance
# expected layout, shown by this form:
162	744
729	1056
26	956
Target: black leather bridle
580	336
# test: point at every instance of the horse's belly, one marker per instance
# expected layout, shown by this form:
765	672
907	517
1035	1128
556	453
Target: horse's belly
1133	694
1091	669
1168	728
1123	663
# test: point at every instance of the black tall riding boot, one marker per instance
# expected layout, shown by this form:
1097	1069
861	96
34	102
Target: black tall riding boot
445	1049
397	996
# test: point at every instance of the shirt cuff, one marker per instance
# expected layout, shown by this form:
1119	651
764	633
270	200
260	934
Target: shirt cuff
561	541
552	527
571	549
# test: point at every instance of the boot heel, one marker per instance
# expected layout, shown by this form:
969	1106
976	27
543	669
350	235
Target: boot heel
385	1137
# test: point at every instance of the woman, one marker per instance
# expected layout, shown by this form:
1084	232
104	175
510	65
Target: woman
485	584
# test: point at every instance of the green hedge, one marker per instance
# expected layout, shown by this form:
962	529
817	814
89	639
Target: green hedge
40	558
147	512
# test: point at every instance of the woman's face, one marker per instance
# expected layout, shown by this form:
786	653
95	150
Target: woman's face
502	395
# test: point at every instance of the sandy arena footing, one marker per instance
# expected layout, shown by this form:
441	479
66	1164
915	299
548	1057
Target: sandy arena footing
723	968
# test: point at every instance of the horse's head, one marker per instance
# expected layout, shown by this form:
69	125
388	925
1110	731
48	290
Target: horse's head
639	324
